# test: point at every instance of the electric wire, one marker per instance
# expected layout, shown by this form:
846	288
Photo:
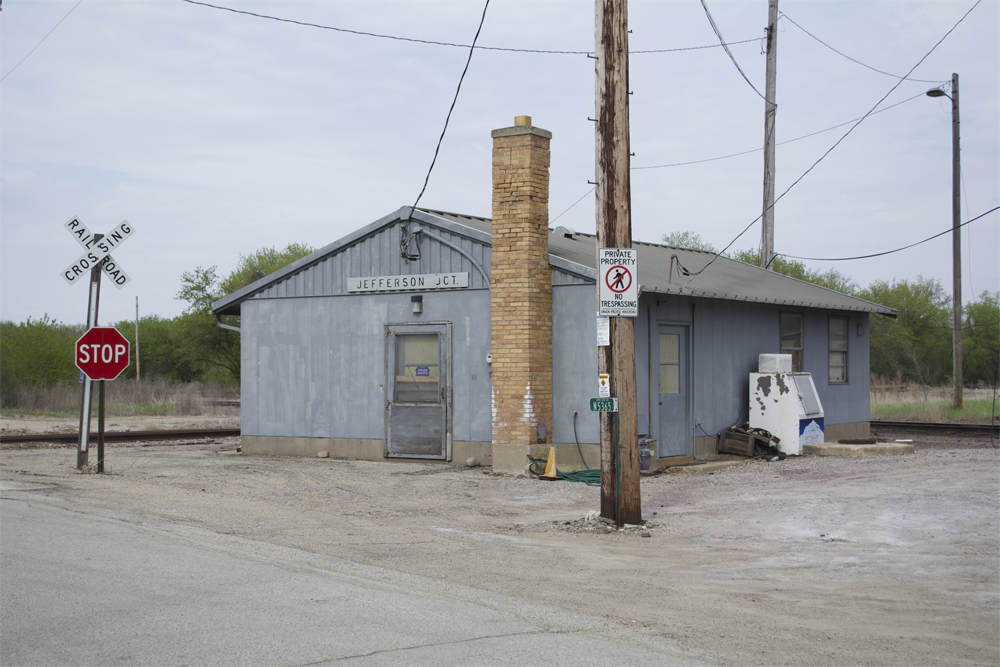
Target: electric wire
403	238
780	143
432	42
572	205
889	252
853	60
42	40
830	150
725	46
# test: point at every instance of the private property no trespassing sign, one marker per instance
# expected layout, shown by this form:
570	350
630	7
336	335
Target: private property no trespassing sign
617	284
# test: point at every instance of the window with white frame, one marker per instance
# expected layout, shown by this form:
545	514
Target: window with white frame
838	349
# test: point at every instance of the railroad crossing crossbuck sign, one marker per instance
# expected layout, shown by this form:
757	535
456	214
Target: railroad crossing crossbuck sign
102	353
96	251
618	291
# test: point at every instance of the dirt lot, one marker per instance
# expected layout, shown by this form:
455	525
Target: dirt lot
821	561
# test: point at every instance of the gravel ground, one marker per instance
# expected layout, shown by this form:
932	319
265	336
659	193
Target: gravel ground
820	561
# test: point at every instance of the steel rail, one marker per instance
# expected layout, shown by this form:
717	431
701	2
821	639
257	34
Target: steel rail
125	436
934	426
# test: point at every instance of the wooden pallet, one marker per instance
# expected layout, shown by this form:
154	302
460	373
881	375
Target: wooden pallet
741	444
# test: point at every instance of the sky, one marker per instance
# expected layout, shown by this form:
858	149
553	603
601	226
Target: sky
215	134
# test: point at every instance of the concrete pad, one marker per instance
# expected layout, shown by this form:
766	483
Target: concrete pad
704	468
857	451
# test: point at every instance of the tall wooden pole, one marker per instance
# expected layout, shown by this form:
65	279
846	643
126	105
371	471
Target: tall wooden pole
956	244
620	497
767	227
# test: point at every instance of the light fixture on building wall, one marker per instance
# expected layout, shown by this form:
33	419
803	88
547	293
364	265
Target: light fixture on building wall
417	304
860	328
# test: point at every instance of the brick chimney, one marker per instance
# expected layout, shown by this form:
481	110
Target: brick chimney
521	296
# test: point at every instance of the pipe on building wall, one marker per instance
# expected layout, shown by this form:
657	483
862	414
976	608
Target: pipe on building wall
218	323
457	249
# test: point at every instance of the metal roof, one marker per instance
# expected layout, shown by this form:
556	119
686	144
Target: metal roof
662	269
670	270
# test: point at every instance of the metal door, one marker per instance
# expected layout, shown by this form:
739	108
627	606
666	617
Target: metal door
675	436
417	390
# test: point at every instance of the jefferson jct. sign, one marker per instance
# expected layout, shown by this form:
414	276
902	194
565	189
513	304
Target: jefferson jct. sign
414	283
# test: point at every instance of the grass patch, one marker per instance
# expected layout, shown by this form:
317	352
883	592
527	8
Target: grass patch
975	411
125	398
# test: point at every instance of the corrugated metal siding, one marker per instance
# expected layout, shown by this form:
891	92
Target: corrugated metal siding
313	366
574	362
727	338
378	255
560	277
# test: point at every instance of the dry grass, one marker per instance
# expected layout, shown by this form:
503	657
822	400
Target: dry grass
894	399
125	398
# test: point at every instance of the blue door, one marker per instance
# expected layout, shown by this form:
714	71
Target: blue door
673	378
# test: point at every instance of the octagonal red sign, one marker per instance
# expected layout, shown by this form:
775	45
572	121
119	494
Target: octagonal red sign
102	353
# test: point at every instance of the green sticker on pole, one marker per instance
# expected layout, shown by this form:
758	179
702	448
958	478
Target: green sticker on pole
604	405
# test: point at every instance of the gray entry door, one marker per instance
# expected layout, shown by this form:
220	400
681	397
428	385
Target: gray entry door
417	391
675	436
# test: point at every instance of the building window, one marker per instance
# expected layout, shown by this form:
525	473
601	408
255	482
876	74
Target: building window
791	339
670	364
838	350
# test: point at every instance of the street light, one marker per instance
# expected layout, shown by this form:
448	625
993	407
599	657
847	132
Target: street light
956	237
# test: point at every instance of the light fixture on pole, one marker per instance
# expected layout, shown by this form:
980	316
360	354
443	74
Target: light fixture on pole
956	237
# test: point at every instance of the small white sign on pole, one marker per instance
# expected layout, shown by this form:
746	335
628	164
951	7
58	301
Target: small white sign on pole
617	285
603	331
604	385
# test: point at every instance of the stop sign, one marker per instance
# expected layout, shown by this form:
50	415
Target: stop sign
102	353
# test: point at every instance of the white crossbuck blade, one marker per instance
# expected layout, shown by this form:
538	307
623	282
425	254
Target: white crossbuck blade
96	251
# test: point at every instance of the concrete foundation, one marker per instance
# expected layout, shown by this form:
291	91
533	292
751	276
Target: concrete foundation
358	449
857	451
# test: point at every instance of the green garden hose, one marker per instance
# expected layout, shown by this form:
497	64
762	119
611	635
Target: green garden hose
590	477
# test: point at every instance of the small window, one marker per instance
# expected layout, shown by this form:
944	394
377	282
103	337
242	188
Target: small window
670	364
838	350
791	339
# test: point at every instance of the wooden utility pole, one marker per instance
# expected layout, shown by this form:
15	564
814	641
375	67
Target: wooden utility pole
767	230
620	498
956	244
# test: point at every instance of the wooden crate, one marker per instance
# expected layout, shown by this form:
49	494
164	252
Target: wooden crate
741	444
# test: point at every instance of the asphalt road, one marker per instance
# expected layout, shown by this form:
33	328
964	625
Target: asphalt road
88	586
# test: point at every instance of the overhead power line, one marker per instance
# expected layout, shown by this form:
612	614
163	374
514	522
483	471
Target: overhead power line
42	40
571	206
725	46
438	43
403	237
838	142
853	60
889	252
780	143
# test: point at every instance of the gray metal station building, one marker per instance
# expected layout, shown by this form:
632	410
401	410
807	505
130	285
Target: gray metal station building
364	353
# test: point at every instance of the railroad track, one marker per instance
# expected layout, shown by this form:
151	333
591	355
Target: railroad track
127	436
204	433
933	426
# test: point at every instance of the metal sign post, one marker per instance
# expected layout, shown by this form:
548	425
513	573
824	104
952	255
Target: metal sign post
95	260
102	353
